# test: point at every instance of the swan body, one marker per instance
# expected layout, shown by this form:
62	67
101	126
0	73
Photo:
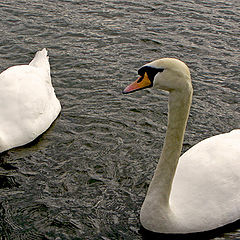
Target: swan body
199	191
28	104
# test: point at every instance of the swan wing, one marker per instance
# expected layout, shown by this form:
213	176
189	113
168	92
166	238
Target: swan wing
205	192
28	104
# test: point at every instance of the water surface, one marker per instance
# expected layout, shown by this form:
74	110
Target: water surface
87	176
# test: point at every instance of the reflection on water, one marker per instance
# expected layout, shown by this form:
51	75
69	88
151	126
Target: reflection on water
87	176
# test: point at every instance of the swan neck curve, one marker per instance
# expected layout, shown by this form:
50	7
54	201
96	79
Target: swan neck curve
179	106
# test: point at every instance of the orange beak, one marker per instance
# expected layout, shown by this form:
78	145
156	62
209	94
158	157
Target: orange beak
140	83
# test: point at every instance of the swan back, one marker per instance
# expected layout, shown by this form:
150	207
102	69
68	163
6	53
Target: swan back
205	192
31	102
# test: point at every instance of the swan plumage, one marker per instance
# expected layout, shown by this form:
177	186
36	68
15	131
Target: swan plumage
198	191
28	104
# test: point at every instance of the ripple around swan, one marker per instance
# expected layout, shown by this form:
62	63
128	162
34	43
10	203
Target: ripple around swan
87	176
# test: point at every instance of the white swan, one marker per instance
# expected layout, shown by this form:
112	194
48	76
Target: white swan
28	104
199	191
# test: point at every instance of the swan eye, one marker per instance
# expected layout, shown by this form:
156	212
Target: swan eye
140	79
151	72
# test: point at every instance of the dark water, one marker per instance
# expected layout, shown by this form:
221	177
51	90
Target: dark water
87	176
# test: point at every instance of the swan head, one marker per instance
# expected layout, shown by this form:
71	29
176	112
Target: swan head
168	74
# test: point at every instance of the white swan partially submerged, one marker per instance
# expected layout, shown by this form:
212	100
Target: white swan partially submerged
28	104
199	191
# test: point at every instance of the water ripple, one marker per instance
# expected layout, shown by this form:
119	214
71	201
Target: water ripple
87	176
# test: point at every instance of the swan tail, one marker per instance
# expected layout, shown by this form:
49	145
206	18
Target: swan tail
41	60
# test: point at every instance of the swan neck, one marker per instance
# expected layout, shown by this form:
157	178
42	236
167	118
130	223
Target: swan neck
179	106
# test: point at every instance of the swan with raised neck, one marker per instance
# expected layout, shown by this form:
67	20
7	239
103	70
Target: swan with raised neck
198	191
